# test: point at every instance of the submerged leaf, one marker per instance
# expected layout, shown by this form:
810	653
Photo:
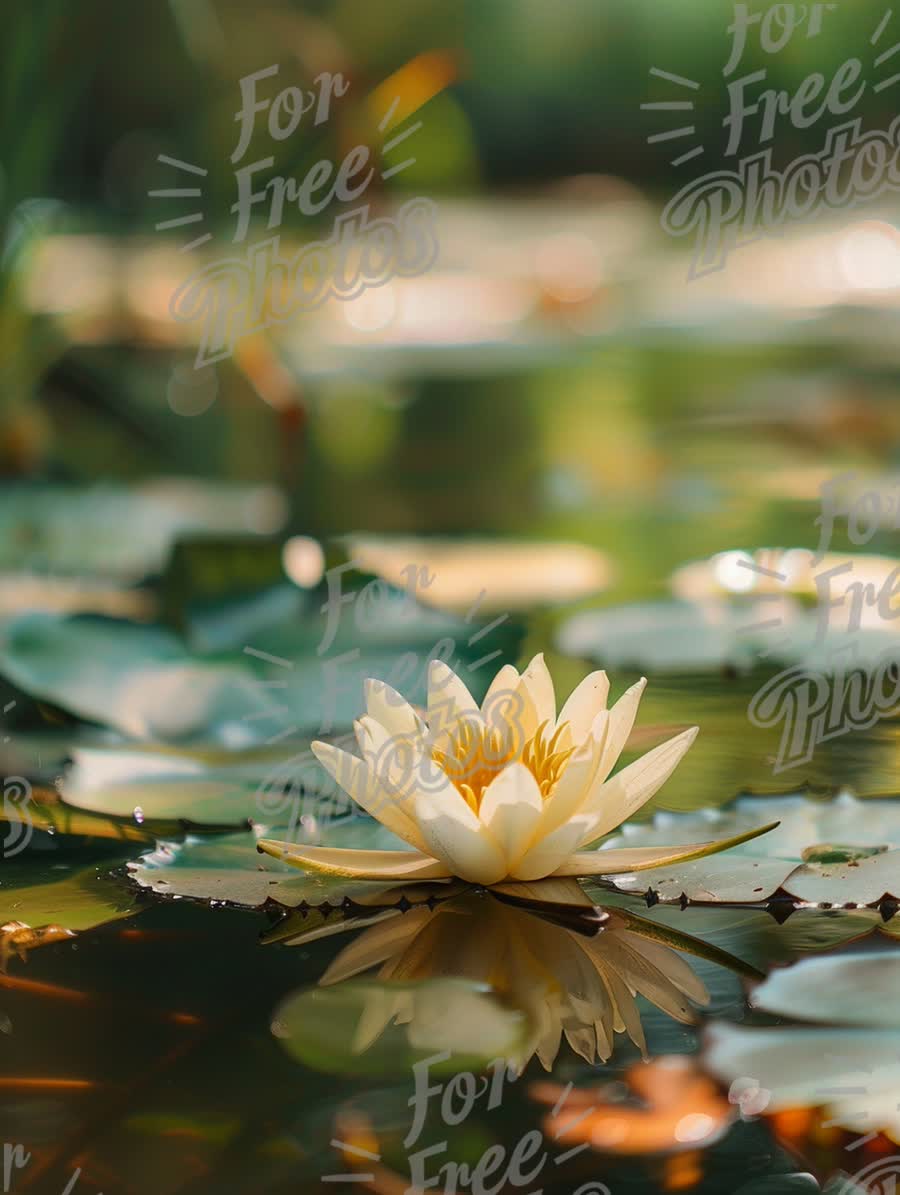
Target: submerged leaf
368	1028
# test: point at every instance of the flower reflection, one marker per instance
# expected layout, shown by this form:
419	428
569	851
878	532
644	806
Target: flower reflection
451	975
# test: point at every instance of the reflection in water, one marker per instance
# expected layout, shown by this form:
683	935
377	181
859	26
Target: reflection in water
568	970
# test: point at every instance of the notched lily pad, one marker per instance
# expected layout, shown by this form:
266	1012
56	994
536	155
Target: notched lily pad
231	870
839	853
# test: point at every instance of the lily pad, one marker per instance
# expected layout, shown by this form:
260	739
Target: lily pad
850	1067
495	575
657	636
856	989
66	899
297	679
113	531
230	870
136	679
270	786
843	852
683	636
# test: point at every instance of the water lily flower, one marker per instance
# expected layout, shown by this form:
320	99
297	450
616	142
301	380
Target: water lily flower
505	791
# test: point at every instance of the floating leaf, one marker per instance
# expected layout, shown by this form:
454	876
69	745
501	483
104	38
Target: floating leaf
69	899
852	1069
496	575
137	679
267	785
683	636
841	831
229	869
856	989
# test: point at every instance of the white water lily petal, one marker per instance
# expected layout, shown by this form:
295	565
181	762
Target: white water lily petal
626	1017
562	892
363	865
393	711
621	721
506	681
573	786
539	682
449	702
547	855
395	760
512	711
583	705
523	721
666	960
368	791
453	834
363	735
648	974
617	799
622	860
511	809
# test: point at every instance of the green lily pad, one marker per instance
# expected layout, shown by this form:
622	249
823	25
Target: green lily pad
64	895
269	786
138	680
229	869
853	1073
856	989
844	831
143	682
115	531
657	637
684	636
849	1062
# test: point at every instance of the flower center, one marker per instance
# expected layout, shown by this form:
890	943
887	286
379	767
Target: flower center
476	754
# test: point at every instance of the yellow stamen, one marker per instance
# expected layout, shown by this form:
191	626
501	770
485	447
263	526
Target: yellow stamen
476	754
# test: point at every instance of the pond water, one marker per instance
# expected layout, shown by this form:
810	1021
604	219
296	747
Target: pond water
179	1043
144	1053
